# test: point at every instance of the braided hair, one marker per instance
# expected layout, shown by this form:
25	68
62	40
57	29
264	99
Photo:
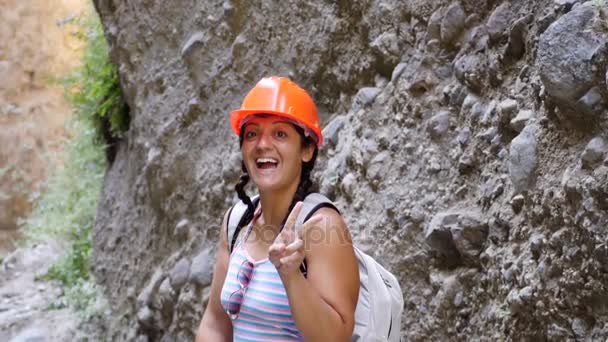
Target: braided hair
304	187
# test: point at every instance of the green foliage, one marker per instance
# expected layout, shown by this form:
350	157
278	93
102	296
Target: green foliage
83	298
67	203
94	89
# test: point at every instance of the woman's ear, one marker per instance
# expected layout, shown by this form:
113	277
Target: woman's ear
307	153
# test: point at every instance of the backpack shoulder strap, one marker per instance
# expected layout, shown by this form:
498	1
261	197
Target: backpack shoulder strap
235	216
313	202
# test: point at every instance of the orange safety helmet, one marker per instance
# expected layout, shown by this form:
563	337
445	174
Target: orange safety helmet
282	97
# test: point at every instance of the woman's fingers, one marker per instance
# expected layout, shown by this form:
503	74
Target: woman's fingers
292	260
276	250
298	244
291	219
287	252
313	223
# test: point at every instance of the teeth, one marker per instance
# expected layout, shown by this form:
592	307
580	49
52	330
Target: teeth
266	160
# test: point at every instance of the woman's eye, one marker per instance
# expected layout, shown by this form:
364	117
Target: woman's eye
250	134
281	134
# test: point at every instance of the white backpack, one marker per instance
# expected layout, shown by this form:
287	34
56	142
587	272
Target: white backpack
380	303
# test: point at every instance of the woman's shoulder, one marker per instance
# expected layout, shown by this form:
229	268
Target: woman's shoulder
330	230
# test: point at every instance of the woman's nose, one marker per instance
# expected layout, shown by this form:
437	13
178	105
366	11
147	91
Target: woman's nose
263	141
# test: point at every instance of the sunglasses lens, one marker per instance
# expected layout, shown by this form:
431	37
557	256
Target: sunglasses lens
236	298
234	304
245	273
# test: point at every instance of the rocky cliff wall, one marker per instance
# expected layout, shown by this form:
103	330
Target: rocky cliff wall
466	147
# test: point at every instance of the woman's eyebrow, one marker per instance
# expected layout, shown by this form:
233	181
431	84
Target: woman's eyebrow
280	122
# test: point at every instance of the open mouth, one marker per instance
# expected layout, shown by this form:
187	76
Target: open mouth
266	163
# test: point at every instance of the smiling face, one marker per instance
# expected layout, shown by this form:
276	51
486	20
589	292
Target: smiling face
273	153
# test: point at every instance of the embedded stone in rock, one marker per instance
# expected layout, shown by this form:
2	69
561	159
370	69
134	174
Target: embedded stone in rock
594	152
145	317
387	46
398	71
179	274
469	234
507	107
454	94
452	23
536	244
196	38
519	122
591	104
523	159
438	236
167	295
499	21
466	162
471	70
181	229
516	46
378	165
149	292
202	268
348	184
517	202
330	132
366	96
564	55
463	137
433	30
439	124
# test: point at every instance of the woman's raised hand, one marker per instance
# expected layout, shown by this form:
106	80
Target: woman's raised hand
287	251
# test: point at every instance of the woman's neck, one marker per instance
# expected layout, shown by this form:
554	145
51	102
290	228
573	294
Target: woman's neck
275	205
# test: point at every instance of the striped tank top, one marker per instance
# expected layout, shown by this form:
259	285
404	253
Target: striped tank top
264	313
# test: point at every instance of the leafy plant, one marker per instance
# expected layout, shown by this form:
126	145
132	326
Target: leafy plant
66	205
94	89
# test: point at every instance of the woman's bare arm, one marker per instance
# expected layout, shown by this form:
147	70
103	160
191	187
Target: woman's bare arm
216	325
323	304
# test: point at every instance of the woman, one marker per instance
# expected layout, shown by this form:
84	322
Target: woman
258	292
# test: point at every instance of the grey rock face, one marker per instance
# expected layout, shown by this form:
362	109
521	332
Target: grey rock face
498	22
434	27
378	165
438	235
439	124
565	53
591	104
487	226
519	122
507	107
331	131
348	184
472	71
595	151
523	159
452	23
201	268
179	274
516	46
366	96
470	234
398	71
453	234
